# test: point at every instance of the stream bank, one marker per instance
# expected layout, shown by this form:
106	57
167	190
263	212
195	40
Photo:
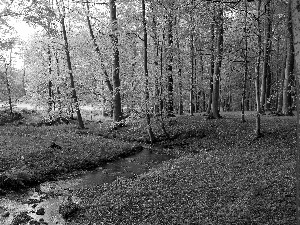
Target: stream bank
36	158
44	204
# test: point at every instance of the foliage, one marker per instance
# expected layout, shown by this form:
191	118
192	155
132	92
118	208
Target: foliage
229	185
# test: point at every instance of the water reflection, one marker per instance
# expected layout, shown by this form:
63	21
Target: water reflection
56	191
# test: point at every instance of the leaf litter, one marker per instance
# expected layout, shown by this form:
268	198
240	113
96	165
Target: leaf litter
233	178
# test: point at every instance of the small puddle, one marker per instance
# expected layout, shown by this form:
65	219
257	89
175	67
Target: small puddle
49	195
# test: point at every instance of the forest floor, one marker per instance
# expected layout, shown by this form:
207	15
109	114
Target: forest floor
31	153
226	176
222	174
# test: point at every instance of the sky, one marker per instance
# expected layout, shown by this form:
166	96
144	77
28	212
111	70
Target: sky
23	29
24	32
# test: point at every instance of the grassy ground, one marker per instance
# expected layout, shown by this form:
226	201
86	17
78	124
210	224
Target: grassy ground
226	177
27	158
223	175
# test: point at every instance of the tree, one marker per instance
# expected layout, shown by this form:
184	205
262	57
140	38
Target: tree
192	45
116	62
289	67
145	40
62	12
245	62
50	97
257	72
280	88
179	72
97	49
266	62
156	49
212	61
218	60
169	36
192	58
8	86
295	14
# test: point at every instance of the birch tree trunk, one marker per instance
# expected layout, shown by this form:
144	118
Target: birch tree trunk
295	12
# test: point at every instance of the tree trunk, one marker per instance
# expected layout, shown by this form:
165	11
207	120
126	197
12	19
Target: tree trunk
287	84
268	86
170	106
150	132
192	59
50	97
192	107
278	74
70	71
267	48
156	50
245	62
97	49
212	62
180	111
280	91
257	74
295	6
161	97
57	88
8	84
117	116
201	91
218	62
248	100
8	88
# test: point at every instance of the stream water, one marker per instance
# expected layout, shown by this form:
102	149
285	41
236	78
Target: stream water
49	195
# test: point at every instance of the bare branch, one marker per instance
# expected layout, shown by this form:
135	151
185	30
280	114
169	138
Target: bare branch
129	33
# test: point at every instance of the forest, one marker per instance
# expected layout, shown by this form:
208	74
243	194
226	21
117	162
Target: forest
149	112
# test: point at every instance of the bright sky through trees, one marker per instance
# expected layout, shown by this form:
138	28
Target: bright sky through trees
23	32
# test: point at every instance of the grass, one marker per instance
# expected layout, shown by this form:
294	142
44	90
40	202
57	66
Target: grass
233	179
27	158
223	175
